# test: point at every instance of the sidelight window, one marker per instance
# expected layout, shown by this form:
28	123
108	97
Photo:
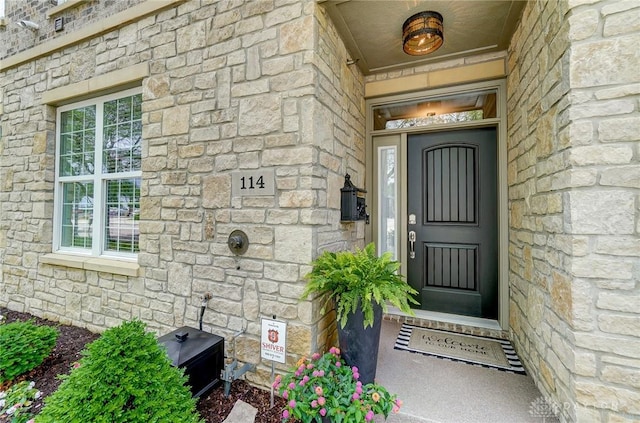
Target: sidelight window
387	200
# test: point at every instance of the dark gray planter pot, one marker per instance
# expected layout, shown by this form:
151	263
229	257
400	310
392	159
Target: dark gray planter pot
359	346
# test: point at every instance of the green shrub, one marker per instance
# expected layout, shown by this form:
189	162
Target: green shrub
123	376
23	347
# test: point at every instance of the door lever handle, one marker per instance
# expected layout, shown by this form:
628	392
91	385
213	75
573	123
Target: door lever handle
412	242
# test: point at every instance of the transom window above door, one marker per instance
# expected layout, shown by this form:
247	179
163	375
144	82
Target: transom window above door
98	176
462	107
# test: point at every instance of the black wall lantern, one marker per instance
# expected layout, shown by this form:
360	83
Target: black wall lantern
352	202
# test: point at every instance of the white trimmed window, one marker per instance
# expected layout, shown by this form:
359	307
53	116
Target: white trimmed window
98	174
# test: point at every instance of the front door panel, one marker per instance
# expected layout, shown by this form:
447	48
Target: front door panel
452	191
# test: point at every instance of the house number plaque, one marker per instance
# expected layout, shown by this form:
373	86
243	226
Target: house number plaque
255	182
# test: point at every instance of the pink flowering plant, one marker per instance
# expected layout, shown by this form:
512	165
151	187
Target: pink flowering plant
16	402
324	388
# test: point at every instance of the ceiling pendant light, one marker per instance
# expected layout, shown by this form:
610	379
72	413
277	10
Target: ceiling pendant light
422	33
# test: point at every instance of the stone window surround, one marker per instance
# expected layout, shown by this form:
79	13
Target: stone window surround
92	87
98	264
99	85
62	7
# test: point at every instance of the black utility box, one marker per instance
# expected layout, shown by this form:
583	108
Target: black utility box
201	354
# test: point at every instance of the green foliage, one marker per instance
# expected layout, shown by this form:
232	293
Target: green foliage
350	277
324	386
23	347
123	376
16	402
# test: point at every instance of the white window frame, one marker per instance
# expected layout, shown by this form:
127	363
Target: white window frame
98	238
383	237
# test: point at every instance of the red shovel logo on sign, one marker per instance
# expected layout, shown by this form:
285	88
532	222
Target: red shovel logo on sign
273	336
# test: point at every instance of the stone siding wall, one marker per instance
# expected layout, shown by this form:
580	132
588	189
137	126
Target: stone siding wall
540	246
604	208
233	86
574	186
339	132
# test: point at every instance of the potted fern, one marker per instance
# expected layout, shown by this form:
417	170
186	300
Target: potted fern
359	284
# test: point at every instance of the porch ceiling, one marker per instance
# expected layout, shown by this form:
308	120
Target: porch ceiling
372	29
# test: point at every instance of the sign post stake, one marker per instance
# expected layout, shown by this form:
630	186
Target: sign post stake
272	376
272	380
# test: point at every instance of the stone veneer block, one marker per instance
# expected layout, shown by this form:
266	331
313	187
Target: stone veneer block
605	62
602	212
292	244
96	85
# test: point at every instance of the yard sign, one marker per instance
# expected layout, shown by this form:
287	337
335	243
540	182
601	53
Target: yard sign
273	342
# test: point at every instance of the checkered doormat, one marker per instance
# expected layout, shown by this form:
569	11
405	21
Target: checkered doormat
476	350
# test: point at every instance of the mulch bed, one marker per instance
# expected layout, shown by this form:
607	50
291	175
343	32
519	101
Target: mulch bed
72	340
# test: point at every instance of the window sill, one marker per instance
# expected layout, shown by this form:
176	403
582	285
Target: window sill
62	7
119	267
3	22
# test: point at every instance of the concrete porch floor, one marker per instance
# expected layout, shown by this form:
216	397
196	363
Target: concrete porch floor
436	390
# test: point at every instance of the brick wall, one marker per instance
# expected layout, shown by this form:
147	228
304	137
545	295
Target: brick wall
574	185
16	39
233	86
